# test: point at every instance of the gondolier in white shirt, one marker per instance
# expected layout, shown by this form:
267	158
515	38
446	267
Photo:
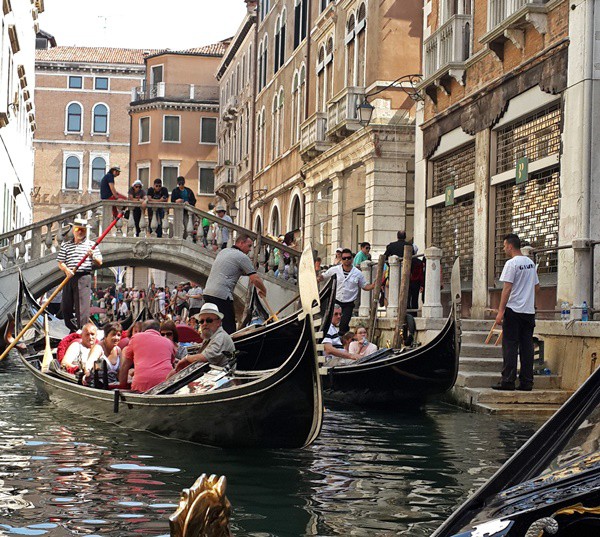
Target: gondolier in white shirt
349	280
77	291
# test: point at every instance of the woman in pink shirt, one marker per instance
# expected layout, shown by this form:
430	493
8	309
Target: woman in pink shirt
152	356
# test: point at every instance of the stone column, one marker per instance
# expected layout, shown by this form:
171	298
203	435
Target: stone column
432	308
582	267
308	215
420	227
385	200
394	288
365	296
337	210
481	224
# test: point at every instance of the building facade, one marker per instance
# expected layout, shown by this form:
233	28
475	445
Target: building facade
174	114
18	28
83	94
501	141
312	167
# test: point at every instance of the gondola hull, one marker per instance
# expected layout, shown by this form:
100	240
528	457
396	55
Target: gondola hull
389	377
279	409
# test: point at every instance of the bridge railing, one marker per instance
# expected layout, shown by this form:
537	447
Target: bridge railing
175	221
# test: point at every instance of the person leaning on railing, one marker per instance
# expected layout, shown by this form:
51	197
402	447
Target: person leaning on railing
157	194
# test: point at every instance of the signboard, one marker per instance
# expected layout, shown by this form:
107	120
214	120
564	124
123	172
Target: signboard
522	173
449	201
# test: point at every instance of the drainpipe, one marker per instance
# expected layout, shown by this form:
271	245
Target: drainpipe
253	115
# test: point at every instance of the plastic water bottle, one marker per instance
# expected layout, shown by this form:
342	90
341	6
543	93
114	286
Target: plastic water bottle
563	311
546	371
585	314
568	312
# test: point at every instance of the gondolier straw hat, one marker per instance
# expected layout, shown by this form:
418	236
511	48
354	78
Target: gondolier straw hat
79	222
208	307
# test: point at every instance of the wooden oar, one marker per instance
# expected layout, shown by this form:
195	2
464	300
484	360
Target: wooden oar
57	290
47	349
274	316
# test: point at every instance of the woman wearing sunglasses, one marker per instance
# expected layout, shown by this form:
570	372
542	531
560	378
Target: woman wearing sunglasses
168	329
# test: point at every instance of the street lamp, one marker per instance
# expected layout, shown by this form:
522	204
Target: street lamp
233	210
407	83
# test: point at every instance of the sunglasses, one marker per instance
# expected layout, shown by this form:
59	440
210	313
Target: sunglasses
166	334
137	186
207	321
367	247
345	258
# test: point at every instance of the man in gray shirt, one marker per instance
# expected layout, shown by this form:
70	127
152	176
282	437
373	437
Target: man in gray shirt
229	265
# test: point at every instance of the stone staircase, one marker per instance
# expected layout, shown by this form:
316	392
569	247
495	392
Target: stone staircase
480	367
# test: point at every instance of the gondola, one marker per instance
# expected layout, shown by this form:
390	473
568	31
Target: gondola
275	408
551	486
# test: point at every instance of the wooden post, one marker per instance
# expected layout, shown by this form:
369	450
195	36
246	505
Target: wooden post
375	298
403	294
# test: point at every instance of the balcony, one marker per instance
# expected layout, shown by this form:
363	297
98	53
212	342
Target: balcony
342	112
175	92
508	19
225	180
448	48
312	136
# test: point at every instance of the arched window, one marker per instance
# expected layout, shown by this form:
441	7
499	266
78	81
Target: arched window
329	69
296	214
74	117
100	119
350	51
280	120
295	107
275	225
265	60
258	225
321	100
361	51
72	173
98	171
300	21
277	46
260	68
275	129
302	95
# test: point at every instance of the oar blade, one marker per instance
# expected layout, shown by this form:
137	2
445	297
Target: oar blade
307	281
47	360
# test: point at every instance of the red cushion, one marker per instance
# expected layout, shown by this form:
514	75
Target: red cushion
64	345
187	334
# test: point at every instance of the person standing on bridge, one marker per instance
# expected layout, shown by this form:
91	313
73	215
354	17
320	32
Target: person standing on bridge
228	266
108	191
77	292
183	194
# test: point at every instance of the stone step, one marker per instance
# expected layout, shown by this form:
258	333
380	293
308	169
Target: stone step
473	336
480	365
486	380
543	411
480	351
476	325
543	397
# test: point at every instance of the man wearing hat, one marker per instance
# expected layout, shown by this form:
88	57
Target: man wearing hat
183	194
217	344
77	292
108	190
137	193
157	194
224	229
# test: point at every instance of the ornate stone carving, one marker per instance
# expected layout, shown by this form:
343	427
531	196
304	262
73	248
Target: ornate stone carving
142	250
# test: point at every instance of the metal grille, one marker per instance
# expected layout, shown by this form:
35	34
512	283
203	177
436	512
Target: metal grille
531	211
453	233
457	168
535	136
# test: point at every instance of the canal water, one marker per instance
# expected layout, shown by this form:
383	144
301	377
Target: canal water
367	474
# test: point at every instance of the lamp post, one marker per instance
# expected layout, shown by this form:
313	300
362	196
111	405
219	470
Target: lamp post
233	211
365	108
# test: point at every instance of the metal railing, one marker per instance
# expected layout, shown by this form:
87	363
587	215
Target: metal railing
175	92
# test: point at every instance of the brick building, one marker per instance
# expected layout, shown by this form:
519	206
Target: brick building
82	96
501	141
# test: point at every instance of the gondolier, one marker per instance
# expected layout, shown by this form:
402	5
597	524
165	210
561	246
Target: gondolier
77	291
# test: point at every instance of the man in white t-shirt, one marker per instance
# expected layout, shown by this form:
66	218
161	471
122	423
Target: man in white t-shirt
332	343
516	314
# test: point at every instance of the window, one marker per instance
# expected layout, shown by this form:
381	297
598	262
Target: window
170	171
325	3
74	117
263	9
75	82
263	57
100	121
295	107
275	227
144	130
156	74
350	51
206	181
208	130
279	50
72	172
360	45
98	172
101	83
300	21
171	129
143	175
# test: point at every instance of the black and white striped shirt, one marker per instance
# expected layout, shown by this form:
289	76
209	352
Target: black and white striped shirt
70	254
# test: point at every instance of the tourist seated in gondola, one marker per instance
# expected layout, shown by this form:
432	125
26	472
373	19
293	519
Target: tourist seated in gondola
78	351
332	343
217	347
135	328
348	338
151	355
361	346
107	354
168	329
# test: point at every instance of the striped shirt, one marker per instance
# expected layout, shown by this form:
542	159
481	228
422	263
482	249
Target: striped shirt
70	254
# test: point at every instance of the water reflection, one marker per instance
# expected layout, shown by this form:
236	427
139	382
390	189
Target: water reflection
368	474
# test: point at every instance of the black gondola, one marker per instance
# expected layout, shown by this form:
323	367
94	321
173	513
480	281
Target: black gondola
280	407
551	486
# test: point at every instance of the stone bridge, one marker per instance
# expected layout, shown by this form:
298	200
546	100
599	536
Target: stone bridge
32	250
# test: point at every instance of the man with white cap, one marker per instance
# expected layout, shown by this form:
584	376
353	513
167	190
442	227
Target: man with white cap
77	292
216	342
221	213
137	193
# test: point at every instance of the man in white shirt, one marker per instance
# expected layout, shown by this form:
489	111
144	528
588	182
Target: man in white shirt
196	298
516	314
332	343
349	281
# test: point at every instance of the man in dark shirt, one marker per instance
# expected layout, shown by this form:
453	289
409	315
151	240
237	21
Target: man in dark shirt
183	194
157	194
108	190
397	247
